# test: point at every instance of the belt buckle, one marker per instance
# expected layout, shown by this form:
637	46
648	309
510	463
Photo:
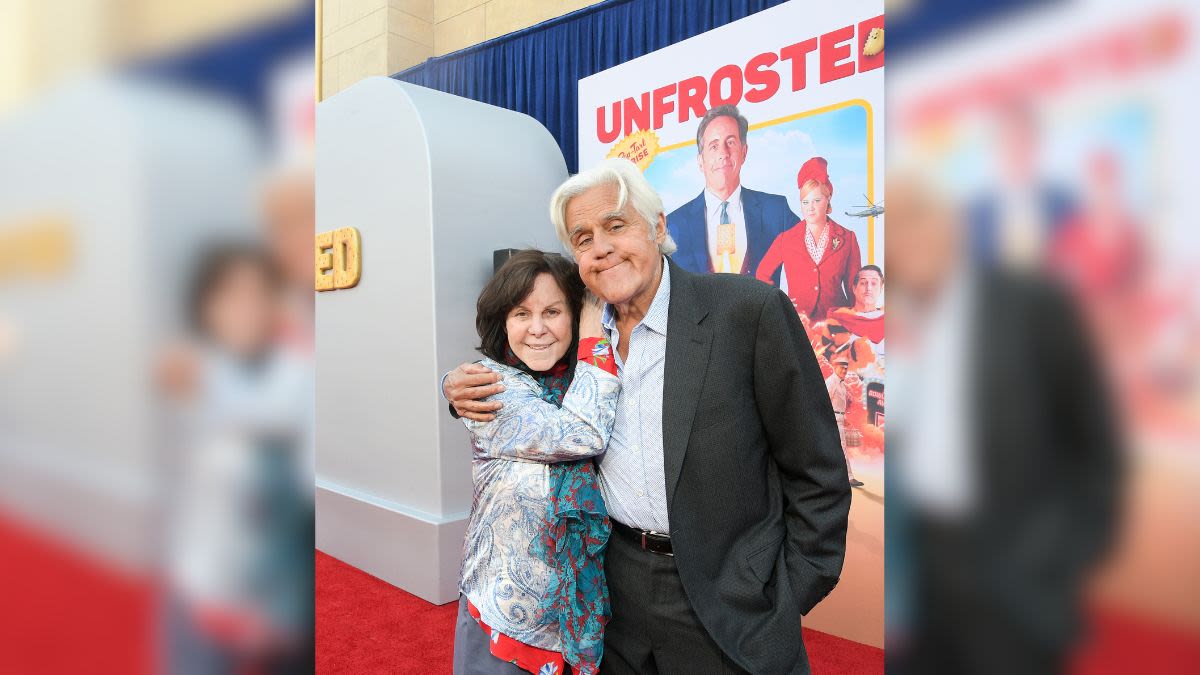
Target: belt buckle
644	548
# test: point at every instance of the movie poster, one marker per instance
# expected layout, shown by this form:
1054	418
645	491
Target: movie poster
765	139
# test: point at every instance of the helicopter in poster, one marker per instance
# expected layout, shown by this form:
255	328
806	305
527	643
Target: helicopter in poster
869	211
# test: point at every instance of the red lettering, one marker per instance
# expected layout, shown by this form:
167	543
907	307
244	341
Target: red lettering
634	113
661	105
758	72
691	98
734	75
866	63
835	47
798	55
603	133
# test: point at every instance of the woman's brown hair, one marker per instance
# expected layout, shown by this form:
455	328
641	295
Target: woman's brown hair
509	287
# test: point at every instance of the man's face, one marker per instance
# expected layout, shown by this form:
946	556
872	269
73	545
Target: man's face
866	291
840	369
617	259
722	155
288	204
926	243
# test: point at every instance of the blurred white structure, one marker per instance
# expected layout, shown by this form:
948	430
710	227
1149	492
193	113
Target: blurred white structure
435	183
107	191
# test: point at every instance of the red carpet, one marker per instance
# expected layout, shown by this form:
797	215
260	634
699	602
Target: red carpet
366	626
1122	643
62	612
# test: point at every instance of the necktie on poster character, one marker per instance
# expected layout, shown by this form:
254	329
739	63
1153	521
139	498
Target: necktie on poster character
726	248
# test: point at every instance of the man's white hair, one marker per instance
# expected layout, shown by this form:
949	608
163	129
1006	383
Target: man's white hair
632	189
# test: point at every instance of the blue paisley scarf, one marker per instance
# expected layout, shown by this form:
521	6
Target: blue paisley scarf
573	544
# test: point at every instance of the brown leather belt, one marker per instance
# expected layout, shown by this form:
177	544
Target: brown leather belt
648	540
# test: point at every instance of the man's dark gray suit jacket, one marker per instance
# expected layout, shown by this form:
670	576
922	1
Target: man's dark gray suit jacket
757	489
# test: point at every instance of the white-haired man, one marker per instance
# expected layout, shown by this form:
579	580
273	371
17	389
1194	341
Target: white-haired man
724	477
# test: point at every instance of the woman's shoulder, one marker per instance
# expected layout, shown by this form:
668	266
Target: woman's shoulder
836	228
796	231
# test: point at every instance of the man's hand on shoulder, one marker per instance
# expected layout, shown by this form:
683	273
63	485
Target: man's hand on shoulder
467	385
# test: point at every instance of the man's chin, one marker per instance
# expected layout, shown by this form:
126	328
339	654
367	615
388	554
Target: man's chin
721	179
610	296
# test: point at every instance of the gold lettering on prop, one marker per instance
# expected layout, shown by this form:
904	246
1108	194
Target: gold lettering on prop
324	261
347	257
38	249
338	259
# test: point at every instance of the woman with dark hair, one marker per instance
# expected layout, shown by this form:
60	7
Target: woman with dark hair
534	597
238	524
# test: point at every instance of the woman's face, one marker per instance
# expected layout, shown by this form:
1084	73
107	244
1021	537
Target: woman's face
539	328
814	206
239	314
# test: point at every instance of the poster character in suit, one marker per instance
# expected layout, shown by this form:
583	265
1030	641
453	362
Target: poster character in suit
818	256
1013	223
727	227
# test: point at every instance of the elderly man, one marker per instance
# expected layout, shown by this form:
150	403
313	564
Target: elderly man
723	478
1006	458
727	227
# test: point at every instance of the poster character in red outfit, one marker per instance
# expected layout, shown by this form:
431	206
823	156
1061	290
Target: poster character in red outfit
819	257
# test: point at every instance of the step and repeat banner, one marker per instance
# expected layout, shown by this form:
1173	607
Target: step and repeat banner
764	138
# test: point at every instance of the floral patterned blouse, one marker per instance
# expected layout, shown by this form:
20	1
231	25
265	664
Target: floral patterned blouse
525	581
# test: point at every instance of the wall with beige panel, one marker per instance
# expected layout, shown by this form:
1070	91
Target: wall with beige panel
361	38
462	23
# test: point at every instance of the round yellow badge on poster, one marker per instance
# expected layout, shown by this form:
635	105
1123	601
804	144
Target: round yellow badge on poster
640	147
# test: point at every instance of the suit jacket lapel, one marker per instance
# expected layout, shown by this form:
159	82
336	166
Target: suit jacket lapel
688	343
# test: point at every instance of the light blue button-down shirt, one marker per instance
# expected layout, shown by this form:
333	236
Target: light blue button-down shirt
632	476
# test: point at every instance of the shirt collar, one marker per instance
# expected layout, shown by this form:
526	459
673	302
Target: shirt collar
712	202
656	316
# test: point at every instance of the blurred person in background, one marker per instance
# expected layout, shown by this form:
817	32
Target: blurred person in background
238	540
1099	253
1005	454
1012	223
288	206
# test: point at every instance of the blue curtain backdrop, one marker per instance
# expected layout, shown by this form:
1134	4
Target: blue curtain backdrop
537	71
238	66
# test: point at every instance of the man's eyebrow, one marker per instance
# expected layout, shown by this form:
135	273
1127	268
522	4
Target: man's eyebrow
611	215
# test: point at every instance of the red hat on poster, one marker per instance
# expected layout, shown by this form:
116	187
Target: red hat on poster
815	169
